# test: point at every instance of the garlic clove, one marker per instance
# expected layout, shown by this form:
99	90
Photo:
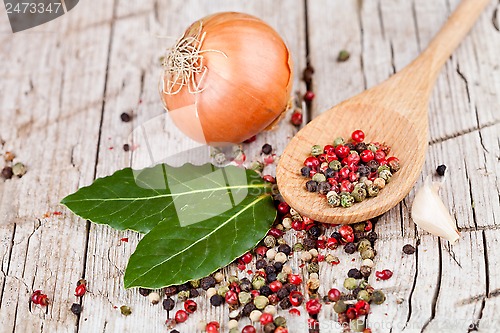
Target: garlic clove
430	214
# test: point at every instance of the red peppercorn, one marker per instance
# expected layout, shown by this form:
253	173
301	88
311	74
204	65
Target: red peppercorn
296	118
261	251
362	307
332	243
234	286
353	176
384	275
308	96
312	173
382	162
273	299
307	220
379	155
329	150
322	158
342	151
333	182
266	318
247	258
347	233
331	157
312	162
321	244
231	298
269	179
212	327
351	313
334	294
281	329
275	286
346	186
313	306
367	155
296	298
297	225
248	329
190	306
295	312
344	173
276	233
80	290
369	225
373	175
254	293
35	297
181	316
353	158
295	279
358	136
283	208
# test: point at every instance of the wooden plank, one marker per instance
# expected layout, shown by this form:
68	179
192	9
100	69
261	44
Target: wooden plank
139	39
52	83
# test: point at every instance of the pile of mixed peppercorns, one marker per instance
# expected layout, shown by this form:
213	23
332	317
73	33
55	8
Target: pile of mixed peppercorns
275	285
349	172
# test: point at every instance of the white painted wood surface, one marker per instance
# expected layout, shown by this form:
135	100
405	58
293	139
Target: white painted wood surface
65	84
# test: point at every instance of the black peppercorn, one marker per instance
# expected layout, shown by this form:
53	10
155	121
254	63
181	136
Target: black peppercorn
441	169
247	309
193	293
271	277
265	291
7	173
207	282
285	303
126	147
372	237
309	243
324	187
307	76
267	149
216	300
168	304
355	292
315	231
171	291
351	146
184	287
354	273
409	249
360	147
337	236
285	248
144	291
76	308
312	186
245	285
279	265
329	173
305	171
125	117
261	263
290	287
270	269
373	165
363	170
350	248
174	331
283	293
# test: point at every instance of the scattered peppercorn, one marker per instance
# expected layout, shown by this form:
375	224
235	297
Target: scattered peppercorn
76	308
126	147
343	56
441	169
7	172
216	300
125	117
267	149
409	249
125	310
168	304
207	282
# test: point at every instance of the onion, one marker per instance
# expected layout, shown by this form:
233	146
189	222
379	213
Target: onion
227	78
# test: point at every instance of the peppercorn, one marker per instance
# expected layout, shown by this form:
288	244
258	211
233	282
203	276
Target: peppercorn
378	297
271	277
282	293
125	117
207	282
183	295
351	146
368	254
363	171
372	237
144	292
364	244
373	165
269	241
385	175
315	231
319	177
324	187
280	321
372	190
278	266
267	149
316	150
333	199
441	169
354	273
359	194
350	283
265	291
216	300
313	285
281	257
339	306
258	281
343	56
260	264
360	147
154	298
125	310
364	295
335	165
247	309
7	172
313	267
261	302
346	199
76	308
331	259
309	243
409	249
365	271
168	304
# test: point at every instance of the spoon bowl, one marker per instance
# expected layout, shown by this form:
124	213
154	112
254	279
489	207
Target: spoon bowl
394	112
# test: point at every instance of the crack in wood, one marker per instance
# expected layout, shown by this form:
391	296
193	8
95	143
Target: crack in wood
495	20
463	132
438	287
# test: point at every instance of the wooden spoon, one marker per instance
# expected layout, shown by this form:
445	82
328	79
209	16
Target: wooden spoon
394	112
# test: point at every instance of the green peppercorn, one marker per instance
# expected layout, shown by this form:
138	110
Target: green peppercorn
313	267
350	283
333	199
184	295
233	278
338	141
261	302
357	325
316	150
297	247
269	241
346	199
372	190
363	284
359	227
330	258
368	254
364	295
372	147
282	277
359	194
281	241
385	175
234	330
280	321
195	283
222	290
378	297
343	56
125	310
319	177
19	169
244	297
258	282
340	306
364	244
335	165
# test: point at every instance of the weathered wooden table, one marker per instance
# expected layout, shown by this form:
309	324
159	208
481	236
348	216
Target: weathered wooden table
64	85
